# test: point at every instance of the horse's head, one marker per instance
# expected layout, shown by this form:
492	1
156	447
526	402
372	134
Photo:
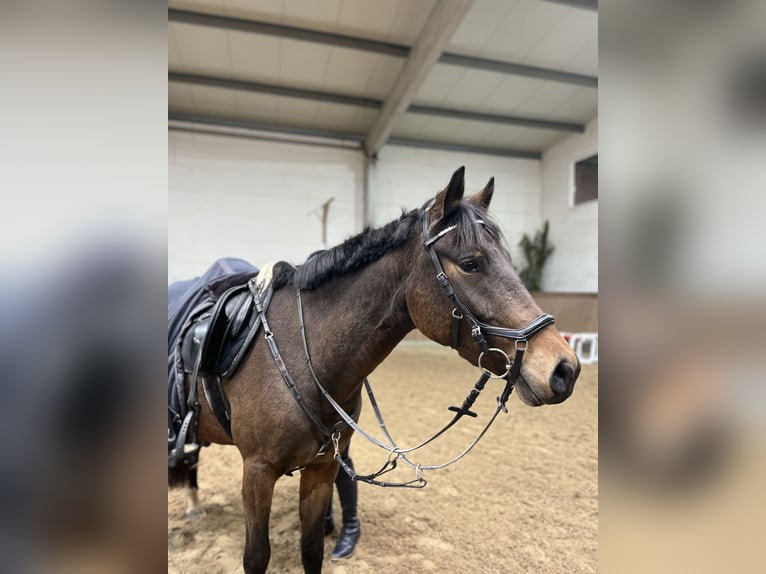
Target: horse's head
468	245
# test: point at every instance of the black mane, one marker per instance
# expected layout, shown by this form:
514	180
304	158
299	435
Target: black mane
372	244
355	252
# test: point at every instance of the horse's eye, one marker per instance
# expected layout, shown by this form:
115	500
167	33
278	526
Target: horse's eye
469	265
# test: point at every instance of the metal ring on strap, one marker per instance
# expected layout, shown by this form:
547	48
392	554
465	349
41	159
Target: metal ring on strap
490	373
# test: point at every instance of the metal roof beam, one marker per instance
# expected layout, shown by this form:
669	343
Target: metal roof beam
497	119
519	70
442	23
264	126
505	152
283	31
262	88
316	133
335	98
375	46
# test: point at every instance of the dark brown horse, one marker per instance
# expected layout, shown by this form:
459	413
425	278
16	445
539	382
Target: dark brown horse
360	299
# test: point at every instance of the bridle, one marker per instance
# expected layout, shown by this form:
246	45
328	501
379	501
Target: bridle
478	330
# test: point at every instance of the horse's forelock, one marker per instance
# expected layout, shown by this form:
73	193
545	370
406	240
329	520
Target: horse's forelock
469	232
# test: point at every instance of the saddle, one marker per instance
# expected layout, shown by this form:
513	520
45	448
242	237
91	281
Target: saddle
211	347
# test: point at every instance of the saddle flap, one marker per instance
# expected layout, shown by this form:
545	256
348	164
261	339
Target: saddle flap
192	341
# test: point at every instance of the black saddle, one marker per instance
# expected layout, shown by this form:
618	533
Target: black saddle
220	336
213	346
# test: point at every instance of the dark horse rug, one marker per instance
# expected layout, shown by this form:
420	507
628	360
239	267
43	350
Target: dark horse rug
194	307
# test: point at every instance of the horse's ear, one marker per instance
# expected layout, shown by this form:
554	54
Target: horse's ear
485	195
449	199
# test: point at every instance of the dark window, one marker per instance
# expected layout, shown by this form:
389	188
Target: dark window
586	180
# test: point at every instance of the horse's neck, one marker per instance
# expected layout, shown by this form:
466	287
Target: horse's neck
353	322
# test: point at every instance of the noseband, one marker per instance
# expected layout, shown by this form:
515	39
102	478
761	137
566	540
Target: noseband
478	328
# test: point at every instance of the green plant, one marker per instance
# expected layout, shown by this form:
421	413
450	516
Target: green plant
536	251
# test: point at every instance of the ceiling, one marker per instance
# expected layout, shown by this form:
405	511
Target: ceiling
494	76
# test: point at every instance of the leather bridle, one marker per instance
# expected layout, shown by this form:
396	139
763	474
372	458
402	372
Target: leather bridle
479	329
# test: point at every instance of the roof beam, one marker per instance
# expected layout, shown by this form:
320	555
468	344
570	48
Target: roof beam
263	126
283	31
374	46
501	151
442	23
335	98
519	70
262	88
497	119
216	122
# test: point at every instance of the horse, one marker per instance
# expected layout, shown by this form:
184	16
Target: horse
358	300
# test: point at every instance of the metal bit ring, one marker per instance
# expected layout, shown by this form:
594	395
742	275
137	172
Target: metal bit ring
507	363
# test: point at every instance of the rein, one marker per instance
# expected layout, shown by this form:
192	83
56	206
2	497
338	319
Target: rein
478	330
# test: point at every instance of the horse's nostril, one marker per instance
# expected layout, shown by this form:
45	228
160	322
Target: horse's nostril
562	379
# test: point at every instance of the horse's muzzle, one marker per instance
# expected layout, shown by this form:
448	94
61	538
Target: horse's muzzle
562	381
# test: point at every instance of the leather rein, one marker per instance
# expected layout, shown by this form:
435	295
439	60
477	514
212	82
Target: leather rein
478	330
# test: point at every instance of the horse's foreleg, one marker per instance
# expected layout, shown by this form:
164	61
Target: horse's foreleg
316	489
257	491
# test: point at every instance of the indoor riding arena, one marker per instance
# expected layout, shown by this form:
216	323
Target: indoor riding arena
295	125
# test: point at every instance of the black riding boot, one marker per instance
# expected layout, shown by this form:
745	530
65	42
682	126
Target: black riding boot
351	530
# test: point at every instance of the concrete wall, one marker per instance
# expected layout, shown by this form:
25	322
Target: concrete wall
255	200
407	177
573	266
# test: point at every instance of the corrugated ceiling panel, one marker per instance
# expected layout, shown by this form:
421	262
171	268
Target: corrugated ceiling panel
524	27
570	35
368	18
204	49
316	13
521	138
555	101
531	32
473	89
343	118
439	83
479	25
213	102
254	57
409	21
261	107
350	71
474	133
303	64
180	96
510	94
383	76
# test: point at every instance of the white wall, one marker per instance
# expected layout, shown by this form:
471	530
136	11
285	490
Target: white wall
573	267
404	178
236	197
